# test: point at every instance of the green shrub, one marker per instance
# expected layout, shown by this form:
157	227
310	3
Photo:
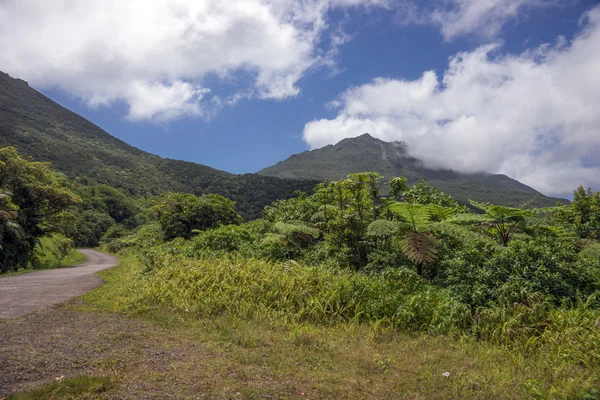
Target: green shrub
590	250
52	251
483	275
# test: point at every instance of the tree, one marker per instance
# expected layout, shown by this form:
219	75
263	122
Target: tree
415	239
422	193
499	222
181	213
9	228
585	211
39	193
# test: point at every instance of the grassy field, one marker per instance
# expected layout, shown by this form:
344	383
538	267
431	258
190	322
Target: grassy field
176	354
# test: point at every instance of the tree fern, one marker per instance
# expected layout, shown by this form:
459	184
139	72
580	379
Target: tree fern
419	247
382	228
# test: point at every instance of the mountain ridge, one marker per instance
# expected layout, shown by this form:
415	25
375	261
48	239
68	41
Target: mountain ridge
44	130
367	153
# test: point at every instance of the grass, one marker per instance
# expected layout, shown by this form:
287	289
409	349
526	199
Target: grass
253	357
72	388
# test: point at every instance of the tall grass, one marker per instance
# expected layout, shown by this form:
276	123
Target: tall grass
292	293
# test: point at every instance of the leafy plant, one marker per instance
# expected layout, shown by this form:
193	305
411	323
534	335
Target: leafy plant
500	222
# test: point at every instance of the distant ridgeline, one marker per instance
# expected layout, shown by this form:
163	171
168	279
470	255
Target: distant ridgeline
366	153
40	128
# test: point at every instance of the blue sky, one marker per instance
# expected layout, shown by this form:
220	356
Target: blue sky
323	70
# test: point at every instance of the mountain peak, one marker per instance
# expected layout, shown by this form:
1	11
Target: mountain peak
366	153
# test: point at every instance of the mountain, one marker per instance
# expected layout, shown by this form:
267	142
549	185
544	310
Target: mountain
42	129
366	153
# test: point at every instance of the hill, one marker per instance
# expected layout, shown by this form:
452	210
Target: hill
42	129
366	153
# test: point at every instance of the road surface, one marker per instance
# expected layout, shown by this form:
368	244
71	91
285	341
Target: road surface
22	294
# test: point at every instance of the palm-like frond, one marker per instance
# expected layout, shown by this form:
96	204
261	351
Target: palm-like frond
467	219
273	238
419	247
382	228
414	214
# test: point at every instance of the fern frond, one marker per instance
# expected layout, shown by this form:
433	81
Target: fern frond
479	206
415	214
273	238
292	227
419	247
441	213
382	228
467	219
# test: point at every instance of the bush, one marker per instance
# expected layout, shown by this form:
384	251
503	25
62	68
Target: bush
51	251
483	275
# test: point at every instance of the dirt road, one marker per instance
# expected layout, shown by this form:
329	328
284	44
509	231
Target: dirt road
22	294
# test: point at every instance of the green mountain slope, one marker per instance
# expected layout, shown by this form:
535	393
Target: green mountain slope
366	153
40	128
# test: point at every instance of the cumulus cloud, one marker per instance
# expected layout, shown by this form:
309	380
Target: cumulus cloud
460	17
533	116
156	54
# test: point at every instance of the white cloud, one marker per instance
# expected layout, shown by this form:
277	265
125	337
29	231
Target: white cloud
460	17
534	116
155	54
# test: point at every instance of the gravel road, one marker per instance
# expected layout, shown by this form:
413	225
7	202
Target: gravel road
22	294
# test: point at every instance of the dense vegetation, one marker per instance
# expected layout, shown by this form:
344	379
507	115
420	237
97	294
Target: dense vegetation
414	261
366	153
355	251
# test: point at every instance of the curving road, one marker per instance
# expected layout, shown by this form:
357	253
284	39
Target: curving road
22	294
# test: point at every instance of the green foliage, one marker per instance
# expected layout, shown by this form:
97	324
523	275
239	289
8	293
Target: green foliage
54	251
9	227
590	250
38	194
222	241
382	228
180	214
397	187
293	293
76	387
584	213
482	275
120	207
423	193
500	222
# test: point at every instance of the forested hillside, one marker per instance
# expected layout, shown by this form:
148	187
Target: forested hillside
366	153
40	128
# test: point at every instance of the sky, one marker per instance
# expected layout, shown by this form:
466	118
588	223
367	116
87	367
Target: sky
503	86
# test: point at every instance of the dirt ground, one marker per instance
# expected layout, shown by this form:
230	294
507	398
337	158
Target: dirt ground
61	341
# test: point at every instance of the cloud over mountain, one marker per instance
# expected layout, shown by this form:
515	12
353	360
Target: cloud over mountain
533	116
